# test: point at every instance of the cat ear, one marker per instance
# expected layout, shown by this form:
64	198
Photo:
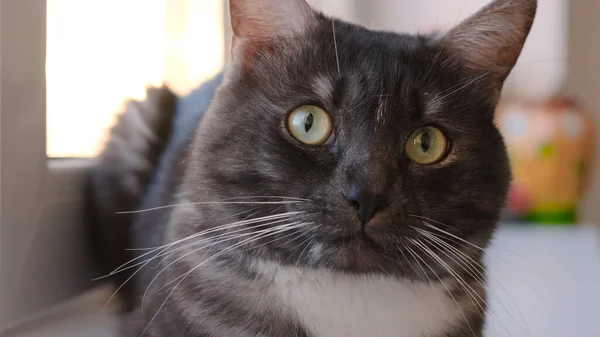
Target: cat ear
266	20
492	39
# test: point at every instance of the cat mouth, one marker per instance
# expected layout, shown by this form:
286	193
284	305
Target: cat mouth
358	252
360	238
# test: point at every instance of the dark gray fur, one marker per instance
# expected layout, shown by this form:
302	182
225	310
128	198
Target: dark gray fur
385	88
121	175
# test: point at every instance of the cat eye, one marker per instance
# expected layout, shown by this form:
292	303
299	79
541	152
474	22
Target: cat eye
310	124
426	145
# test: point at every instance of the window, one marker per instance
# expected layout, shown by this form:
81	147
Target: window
100	53
94	54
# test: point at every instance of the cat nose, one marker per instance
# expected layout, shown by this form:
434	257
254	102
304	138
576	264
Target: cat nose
366	202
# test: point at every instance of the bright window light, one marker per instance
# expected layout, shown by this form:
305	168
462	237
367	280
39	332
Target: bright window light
101	52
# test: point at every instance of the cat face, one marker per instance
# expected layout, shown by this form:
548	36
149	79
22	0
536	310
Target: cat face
377	150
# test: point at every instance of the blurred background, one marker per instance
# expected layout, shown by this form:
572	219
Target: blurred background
98	53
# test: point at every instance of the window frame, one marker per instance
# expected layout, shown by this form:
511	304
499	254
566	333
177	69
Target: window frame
42	261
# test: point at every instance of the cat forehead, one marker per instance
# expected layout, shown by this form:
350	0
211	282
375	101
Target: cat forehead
325	88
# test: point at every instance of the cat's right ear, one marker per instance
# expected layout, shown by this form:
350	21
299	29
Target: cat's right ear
492	39
257	22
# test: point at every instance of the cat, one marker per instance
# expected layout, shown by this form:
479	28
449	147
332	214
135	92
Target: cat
332	181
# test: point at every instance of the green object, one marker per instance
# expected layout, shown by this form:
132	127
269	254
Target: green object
558	217
546	150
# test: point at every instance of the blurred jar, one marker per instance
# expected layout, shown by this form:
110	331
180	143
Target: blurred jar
550	146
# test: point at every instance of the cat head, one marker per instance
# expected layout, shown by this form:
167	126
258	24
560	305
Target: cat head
362	150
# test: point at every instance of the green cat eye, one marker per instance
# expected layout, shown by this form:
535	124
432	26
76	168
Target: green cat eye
426	145
310	124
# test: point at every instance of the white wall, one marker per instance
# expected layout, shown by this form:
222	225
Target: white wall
583	81
542	67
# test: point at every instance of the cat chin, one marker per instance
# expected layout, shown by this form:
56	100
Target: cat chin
355	254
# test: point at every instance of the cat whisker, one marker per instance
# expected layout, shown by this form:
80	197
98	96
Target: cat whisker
211	203
426	276
430	220
307	243
230	235
207	231
162	249
556	59
475	297
337	58
476	268
409	263
474	272
268	230
143	264
283	237
223	218
462	241
235	246
267	197
453	90
140	249
294	239
452	235
415	255
384	270
468	245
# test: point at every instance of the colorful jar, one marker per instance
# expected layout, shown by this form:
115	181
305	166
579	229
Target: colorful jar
550	146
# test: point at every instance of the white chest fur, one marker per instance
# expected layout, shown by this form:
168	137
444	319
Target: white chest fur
337	305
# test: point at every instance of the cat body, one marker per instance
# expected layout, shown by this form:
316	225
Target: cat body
333	181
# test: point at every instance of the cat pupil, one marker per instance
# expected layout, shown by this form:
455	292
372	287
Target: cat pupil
425	142
308	122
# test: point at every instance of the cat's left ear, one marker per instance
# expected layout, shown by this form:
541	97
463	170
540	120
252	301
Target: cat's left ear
492	39
255	22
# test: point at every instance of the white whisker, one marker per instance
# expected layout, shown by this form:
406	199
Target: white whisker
453	90
231	234
337	59
430	220
472	265
220	219
195	251
258	237
455	252
426	276
452	235
283	237
467	263
466	287
474	296
442	282
161	250
212	203
266	197
207	231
